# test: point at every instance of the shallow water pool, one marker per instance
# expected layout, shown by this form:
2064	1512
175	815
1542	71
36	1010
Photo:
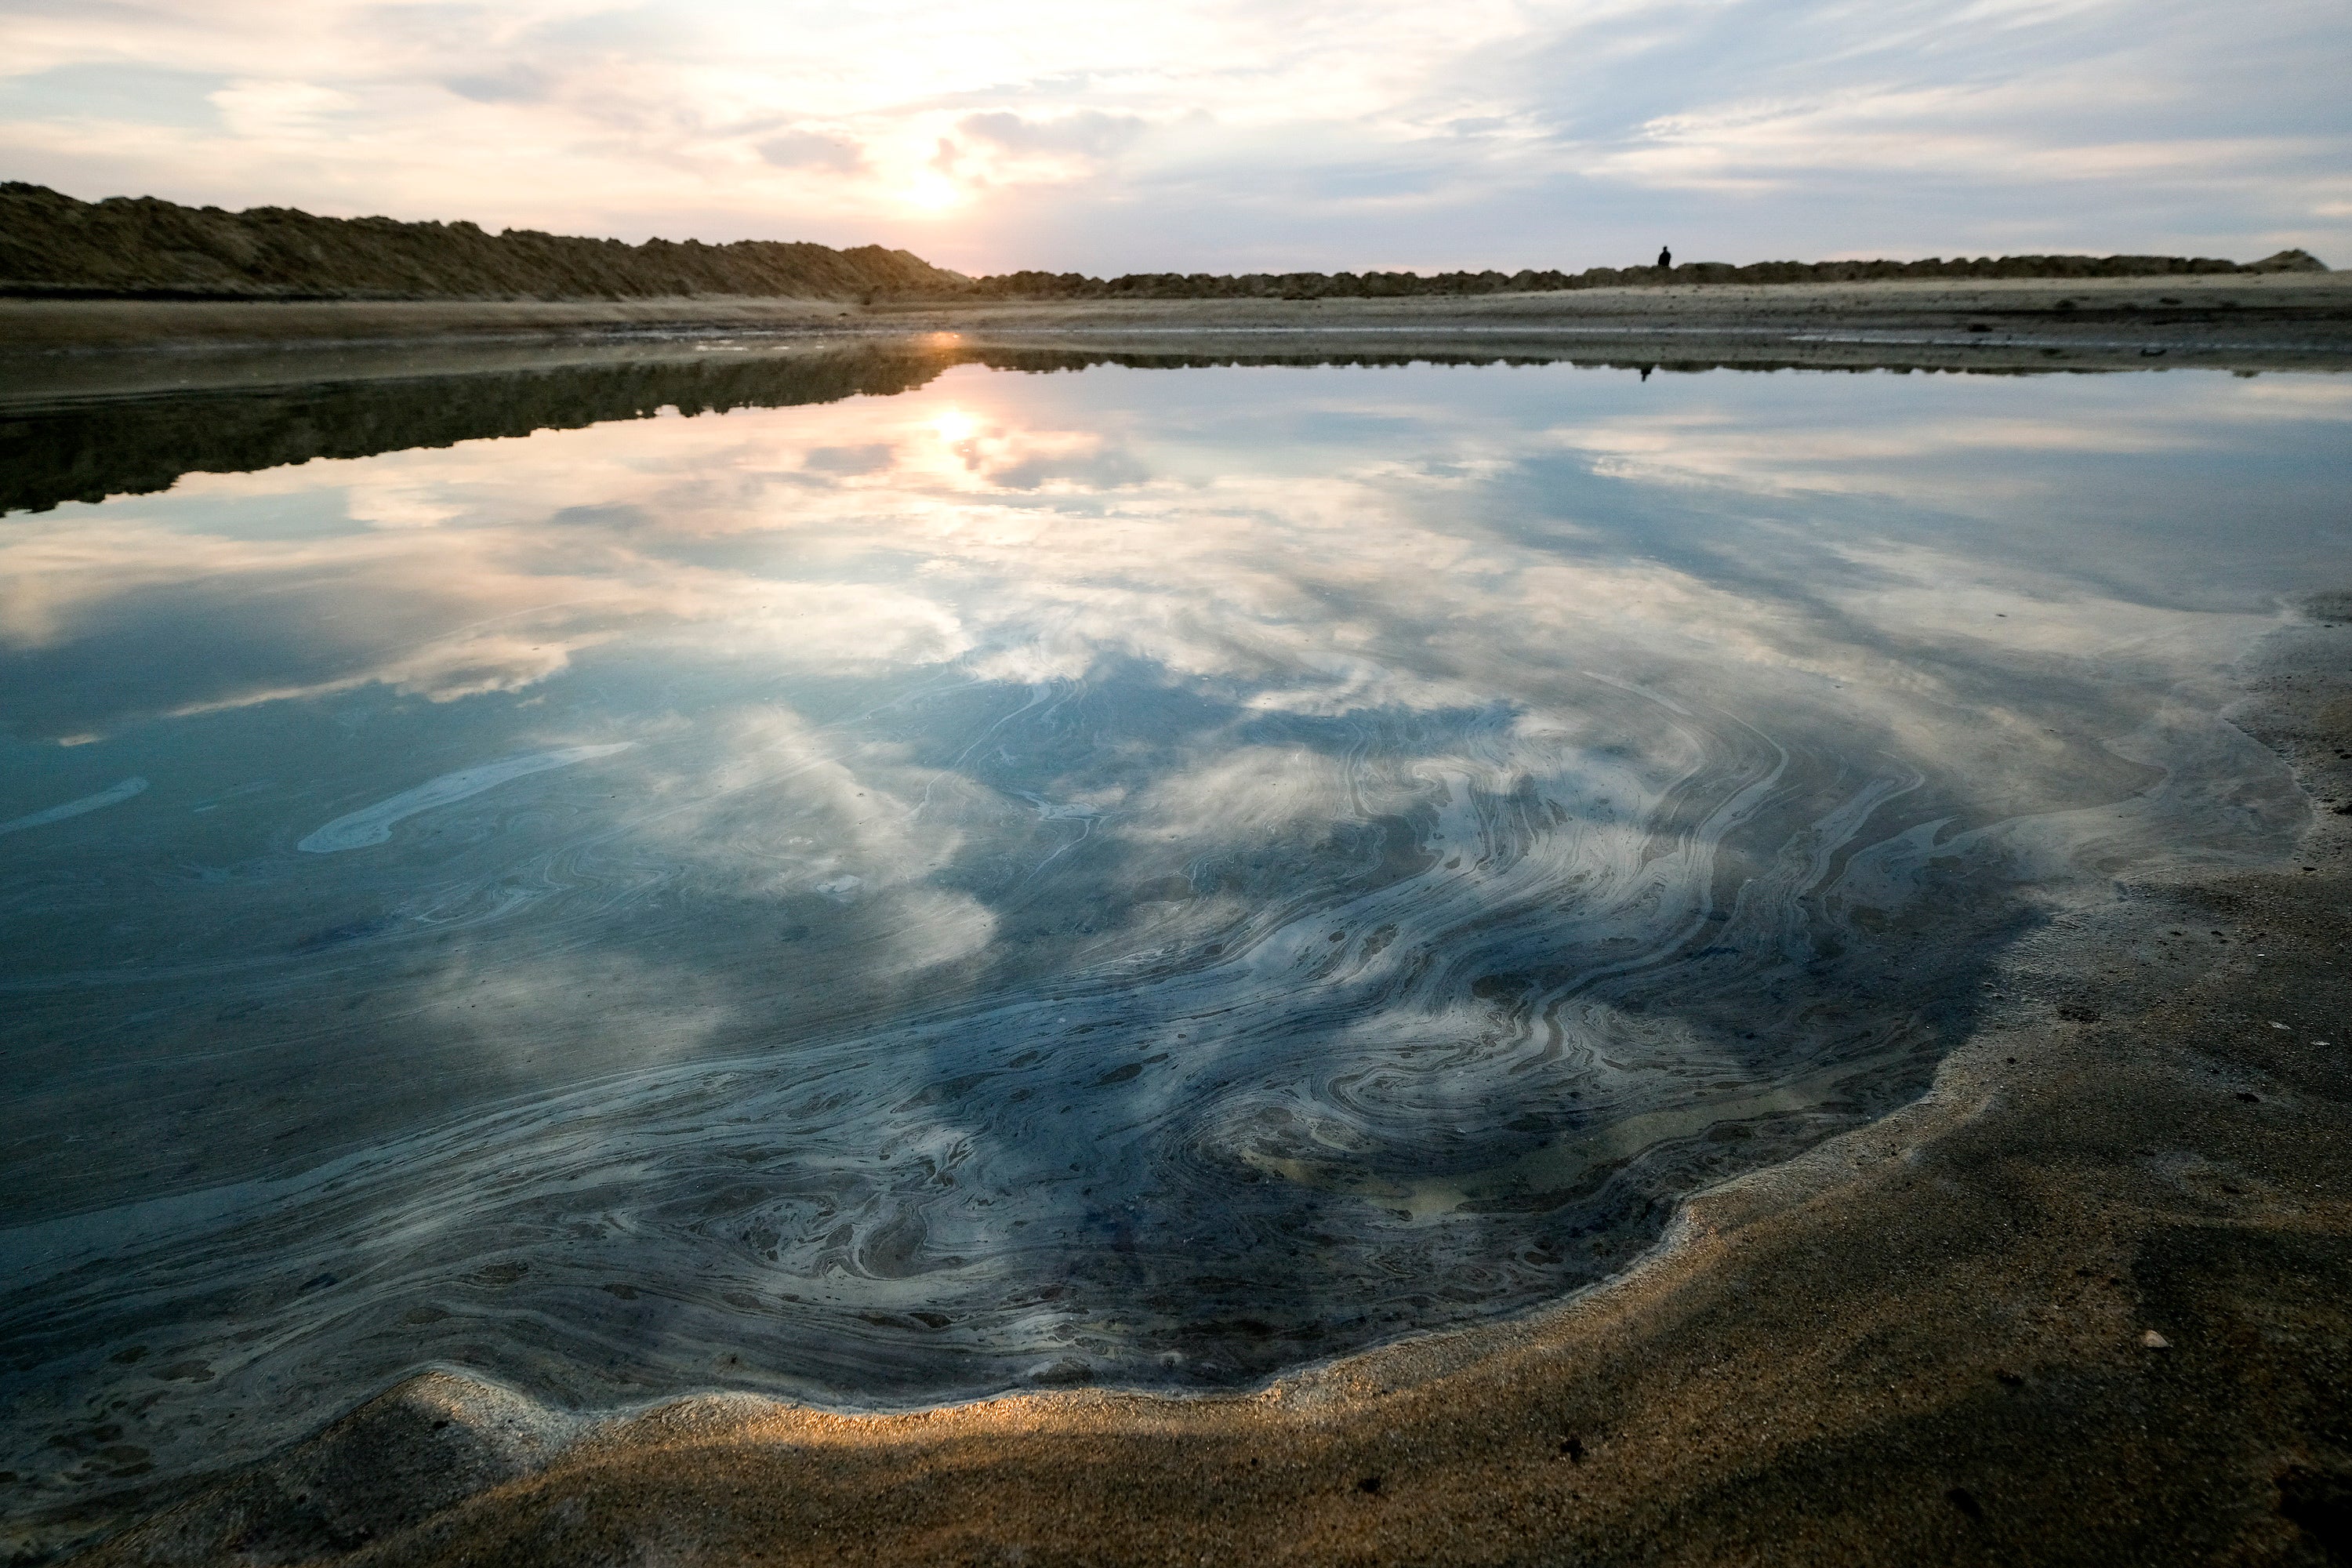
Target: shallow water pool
947	871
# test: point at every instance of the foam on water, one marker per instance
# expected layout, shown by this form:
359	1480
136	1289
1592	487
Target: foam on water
374	824
72	808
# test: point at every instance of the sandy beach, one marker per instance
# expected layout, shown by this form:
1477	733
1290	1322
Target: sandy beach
2084	1303
2268	320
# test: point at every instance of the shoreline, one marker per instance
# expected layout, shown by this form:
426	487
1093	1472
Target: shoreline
1925	1339
2258	320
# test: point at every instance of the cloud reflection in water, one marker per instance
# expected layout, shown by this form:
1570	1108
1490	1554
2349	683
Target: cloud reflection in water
1138	875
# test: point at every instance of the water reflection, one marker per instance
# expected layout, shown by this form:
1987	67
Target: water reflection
1122	874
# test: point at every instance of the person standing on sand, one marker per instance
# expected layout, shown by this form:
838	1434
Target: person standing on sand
1665	257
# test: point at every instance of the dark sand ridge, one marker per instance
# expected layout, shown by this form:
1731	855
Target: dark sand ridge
2253	321
2088	1302
51	244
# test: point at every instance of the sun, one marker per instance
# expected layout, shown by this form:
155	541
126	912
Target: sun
934	193
955	425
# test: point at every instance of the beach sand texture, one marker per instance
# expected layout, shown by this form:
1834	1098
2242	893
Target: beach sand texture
2282	319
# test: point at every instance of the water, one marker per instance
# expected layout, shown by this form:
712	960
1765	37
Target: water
948	877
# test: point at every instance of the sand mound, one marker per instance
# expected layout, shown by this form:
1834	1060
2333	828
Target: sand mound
51	244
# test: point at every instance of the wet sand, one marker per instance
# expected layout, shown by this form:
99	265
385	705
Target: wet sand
2269	320
46	326
2089	1300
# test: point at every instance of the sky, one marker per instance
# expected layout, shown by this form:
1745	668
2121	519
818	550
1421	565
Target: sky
1110	135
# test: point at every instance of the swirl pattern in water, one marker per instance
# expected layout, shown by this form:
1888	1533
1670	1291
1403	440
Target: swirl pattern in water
1142	876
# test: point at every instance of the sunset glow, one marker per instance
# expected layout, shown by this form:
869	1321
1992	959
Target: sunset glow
935	192
1120	137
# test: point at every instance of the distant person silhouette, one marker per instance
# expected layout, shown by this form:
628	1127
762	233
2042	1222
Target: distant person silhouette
1665	257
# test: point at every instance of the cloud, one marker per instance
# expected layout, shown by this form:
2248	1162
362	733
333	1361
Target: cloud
516	84
810	149
1122	136
256	109
114	94
1088	133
